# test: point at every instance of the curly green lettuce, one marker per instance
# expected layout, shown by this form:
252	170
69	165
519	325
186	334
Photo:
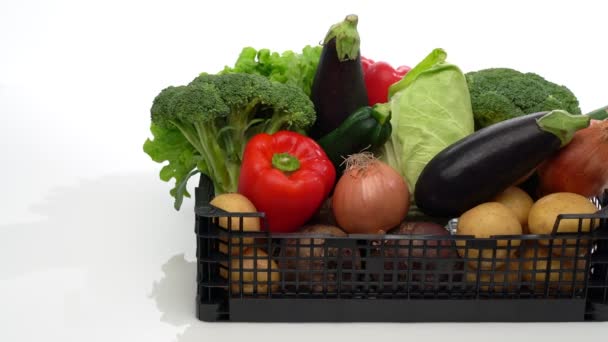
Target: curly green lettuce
171	146
286	67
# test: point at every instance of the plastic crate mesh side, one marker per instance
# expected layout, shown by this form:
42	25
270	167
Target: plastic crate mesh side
598	284
316	267
597	294
211	301
211	290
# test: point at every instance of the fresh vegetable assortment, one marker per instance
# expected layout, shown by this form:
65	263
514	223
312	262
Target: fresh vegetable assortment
481	165
216	115
325	130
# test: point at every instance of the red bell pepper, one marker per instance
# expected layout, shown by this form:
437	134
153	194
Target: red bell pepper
287	176
378	77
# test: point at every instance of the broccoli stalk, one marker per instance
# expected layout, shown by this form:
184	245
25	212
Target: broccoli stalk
218	114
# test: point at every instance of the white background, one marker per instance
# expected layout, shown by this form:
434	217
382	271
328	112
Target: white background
91	248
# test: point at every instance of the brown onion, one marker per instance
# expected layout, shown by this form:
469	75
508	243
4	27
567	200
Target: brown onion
581	166
371	197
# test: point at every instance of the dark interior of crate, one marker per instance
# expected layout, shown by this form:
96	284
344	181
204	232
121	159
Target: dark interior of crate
397	266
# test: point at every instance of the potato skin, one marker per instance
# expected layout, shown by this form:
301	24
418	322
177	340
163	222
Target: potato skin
536	263
314	269
483	221
497	279
544	212
253	269
519	201
236	203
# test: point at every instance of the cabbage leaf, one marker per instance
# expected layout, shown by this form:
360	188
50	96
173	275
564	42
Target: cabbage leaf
431	109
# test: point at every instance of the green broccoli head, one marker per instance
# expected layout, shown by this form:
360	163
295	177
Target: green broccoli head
188	104
271	106
290	109
498	94
218	114
238	91
161	111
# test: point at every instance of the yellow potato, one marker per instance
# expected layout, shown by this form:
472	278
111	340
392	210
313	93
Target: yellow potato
535	268
483	221
519	201
236	203
544	212
495	280
255	268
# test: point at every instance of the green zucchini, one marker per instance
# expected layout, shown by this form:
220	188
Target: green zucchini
367	128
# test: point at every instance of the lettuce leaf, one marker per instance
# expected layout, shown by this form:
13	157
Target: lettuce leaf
286	67
431	109
170	145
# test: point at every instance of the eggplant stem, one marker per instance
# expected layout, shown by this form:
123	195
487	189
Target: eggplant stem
347	38
563	124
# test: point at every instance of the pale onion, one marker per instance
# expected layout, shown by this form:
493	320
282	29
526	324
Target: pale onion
371	197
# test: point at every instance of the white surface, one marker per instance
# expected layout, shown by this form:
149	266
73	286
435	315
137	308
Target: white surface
90	246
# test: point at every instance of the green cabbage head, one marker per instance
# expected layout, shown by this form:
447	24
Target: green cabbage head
431	109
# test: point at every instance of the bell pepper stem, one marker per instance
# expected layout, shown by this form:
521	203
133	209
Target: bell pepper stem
285	162
381	112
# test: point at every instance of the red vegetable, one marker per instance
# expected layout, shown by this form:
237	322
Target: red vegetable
365	63
378	77
287	176
581	166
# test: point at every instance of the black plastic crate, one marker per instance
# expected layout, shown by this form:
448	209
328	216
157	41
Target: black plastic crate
398	278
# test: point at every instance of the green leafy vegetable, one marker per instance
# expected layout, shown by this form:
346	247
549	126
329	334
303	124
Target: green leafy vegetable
431	109
286	67
436	56
207	123
184	159
498	94
170	145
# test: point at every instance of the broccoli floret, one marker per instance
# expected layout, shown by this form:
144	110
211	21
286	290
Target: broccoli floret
498	94
218	114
